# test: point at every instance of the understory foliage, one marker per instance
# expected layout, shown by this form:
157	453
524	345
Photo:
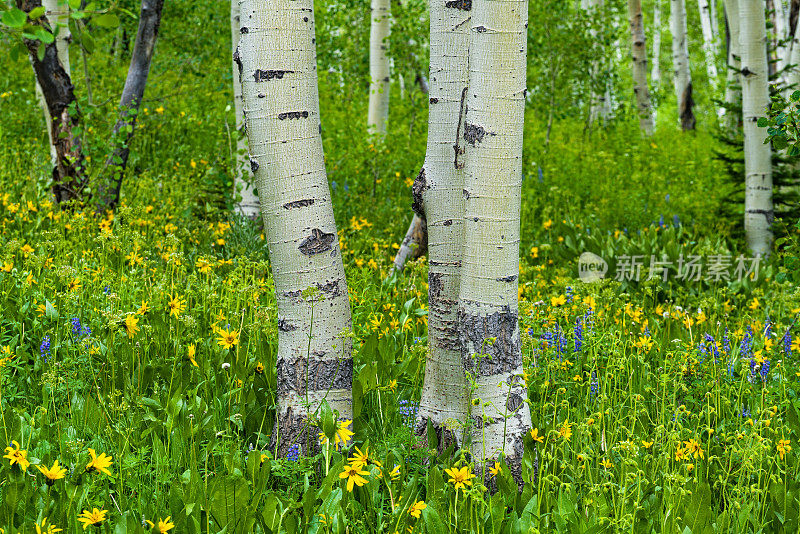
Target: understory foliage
137	348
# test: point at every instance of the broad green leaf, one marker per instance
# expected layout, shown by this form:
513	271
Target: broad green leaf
106	20
14	18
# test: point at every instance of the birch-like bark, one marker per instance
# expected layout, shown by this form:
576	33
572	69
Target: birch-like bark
758	211
793	75
682	78
414	244
378	112
782	35
278	70
58	17
243	184
599	106
733	89
708	43
488	301
655	73
639	61
108	192
69	176
439	200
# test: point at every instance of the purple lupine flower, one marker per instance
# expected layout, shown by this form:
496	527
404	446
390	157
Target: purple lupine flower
726	343
578	334
44	348
76	326
293	453
594	384
746	347
753	372
764	370
711	345
787	342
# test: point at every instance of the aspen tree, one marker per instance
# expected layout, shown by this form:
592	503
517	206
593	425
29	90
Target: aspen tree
277	67
414	244
708	42
733	88
758	214
488	300
655	73
439	201
378	112
58	17
248	205
639	60
680	59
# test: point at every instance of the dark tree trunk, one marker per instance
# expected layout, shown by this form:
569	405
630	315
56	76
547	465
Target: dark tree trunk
686	110
793	11
135	83
69	178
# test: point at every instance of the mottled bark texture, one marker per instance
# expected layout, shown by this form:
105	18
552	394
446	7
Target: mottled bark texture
488	305
69	177
680	60
108	190
414	245
438	197
243	183
378	112
758	210
277	67
57	14
733	88
639	60
793	75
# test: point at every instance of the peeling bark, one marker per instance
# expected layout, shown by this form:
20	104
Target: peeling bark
414	245
108	191
69	176
277	53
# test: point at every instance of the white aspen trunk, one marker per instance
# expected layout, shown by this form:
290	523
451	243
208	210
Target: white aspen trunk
782	34
378	112
793	76
599	106
57	15
733	90
655	73
277	62
439	198
680	59
248	206
488	301
714	20
708	43
758	211
639	61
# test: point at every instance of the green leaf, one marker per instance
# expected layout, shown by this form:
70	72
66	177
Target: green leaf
44	36
36	13
229	497
106	20
762	122
75	4
88	42
40	51
795	96
14	18
433	523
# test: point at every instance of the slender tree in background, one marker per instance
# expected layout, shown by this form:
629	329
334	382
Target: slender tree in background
655	73
278	70
143	49
414	244
755	100
680	61
709	42
248	206
639	61
599	105
781	29
488	299
58	17
793	76
733	87
378	113
439	200
69	178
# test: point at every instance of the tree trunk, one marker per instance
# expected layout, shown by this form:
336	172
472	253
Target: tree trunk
680	60
135	83
439	199
378	112
755	100
793	76
69	178
655	73
57	16
599	105
488	300
733	89
277	66
708	43
781	28
243	183
639	60
414	245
